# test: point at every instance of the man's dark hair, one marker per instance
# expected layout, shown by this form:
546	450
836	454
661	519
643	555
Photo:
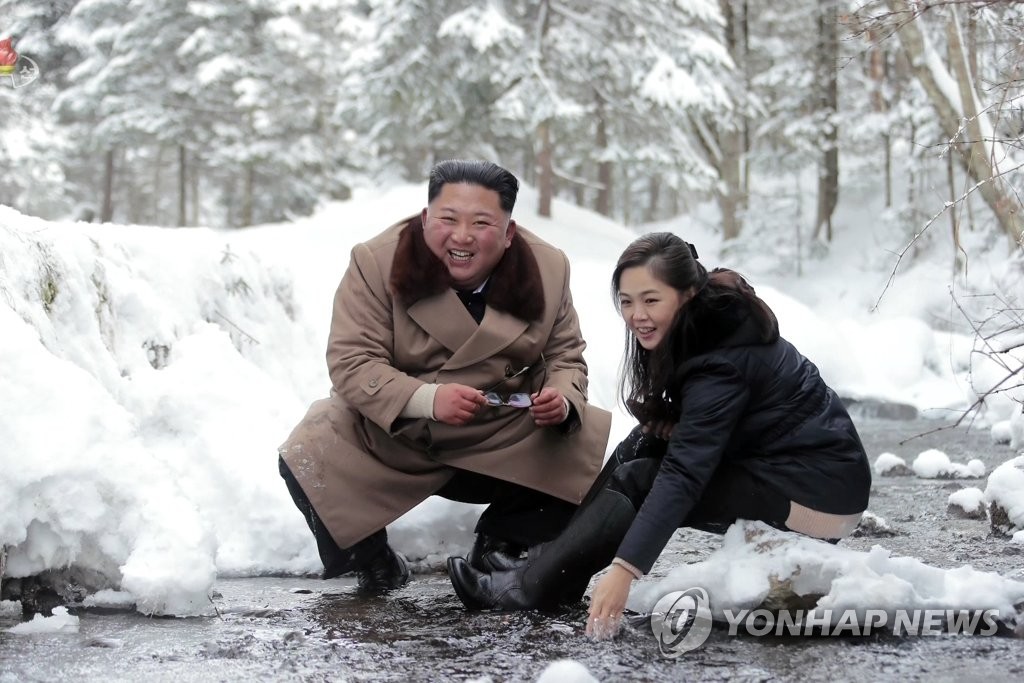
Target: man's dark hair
482	173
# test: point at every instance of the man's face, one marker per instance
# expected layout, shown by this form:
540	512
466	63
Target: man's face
467	229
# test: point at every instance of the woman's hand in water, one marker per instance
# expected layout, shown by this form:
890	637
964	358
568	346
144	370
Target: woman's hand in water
607	603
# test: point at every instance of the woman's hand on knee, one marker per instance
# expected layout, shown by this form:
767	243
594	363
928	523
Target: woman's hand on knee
607	603
660	428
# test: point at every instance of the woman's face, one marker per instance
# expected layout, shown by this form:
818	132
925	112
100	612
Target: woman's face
468	230
648	305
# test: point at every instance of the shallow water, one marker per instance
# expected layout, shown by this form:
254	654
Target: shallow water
308	630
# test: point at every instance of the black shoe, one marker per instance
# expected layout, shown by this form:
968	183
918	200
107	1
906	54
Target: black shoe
481	590
490	554
385	571
554	573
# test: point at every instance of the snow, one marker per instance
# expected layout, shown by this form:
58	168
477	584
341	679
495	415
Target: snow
566	671
929	464
887	462
10	608
59	622
754	555
110	599
484	27
934	464
1006	489
668	84
969	500
148	375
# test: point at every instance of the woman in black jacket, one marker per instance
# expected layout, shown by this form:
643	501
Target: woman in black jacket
735	424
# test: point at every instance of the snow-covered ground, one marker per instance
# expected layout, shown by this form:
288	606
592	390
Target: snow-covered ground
147	376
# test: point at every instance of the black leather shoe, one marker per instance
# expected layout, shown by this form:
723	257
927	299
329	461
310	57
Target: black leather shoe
479	590
385	571
490	554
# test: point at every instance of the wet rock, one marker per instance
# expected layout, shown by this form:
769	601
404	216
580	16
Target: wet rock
954	510
104	642
877	409
781	596
1000	520
873	526
35	596
40	593
294	637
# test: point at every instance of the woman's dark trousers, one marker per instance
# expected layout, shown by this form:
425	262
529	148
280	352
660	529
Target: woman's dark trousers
558	572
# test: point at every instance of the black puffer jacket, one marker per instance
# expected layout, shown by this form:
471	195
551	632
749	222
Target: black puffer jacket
757	405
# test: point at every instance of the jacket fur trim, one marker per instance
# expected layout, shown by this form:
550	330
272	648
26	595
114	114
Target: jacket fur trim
514	286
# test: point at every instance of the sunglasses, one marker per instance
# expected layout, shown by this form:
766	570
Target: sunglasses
517	400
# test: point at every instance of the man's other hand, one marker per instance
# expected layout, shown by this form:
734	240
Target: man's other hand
549	407
456	404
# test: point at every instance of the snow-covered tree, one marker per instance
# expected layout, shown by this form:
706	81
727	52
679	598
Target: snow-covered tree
33	149
590	93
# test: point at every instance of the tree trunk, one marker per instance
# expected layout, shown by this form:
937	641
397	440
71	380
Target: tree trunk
604	168
579	190
879	76
155	214
194	214
727	153
653	195
107	210
545	170
954	221
248	194
747	88
978	159
182	183
828	177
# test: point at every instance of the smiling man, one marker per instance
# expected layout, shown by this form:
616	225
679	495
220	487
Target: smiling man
457	367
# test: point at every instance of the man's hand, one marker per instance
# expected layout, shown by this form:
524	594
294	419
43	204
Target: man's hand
549	407
607	603
456	404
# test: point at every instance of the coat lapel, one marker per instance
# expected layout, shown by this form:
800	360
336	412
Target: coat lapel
445	318
495	332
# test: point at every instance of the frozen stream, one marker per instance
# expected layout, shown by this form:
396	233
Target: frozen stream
304	629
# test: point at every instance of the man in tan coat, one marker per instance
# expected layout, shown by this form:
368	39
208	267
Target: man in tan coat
457	367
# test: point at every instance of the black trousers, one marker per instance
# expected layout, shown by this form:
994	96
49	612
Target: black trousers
515	514
733	492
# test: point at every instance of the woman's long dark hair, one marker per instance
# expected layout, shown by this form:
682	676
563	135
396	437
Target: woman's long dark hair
647	383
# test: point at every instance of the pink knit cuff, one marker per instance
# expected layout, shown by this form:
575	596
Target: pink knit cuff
637	574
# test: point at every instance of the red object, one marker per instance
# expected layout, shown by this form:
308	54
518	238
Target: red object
8	57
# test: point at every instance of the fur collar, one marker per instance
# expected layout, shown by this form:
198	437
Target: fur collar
514	287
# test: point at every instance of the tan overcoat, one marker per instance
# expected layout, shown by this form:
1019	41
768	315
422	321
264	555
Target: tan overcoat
397	324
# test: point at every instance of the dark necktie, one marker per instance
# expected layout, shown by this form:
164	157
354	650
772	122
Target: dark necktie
475	304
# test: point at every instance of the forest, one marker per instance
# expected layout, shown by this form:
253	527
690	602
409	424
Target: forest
229	113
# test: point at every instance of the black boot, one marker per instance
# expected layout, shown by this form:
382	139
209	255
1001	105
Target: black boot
554	573
490	554
383	571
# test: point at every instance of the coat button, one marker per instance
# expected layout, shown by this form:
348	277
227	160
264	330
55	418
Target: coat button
373	382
